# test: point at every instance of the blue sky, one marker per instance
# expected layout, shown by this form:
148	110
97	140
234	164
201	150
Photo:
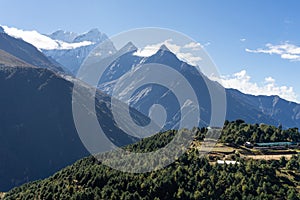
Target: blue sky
228	27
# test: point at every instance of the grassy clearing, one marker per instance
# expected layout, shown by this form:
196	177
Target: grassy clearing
227	149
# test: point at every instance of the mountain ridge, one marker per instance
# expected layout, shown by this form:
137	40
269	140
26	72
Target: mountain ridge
254	109
26	52
9	60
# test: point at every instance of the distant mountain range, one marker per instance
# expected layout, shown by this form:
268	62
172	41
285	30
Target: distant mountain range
280	110
253	109
64	47
73	58
37	131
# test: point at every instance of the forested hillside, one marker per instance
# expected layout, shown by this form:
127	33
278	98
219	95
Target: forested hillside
190	177
239	132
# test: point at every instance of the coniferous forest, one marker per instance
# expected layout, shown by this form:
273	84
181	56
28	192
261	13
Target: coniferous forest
190	177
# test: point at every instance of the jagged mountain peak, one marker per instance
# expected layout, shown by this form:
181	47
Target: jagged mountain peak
94	35
1	30
129	47
165	54
66	36
164	51
164	48
87	44
95	30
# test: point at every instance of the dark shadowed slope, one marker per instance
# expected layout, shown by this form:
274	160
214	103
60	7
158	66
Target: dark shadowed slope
9	60
37	131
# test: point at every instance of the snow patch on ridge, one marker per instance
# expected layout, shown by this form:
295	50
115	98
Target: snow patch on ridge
42	41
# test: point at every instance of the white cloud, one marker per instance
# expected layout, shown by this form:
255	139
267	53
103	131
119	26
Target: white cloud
65	45
32	37
184	52
243	39
242	82
193	46
189	58
270	79
285	51
41	41
290	56
150	50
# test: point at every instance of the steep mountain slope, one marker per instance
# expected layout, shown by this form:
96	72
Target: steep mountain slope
37	131
150	94
9	60
26	52
253	109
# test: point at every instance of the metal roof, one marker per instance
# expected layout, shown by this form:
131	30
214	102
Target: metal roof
275	143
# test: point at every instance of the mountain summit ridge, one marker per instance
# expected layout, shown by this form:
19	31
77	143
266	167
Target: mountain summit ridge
62	35
253	109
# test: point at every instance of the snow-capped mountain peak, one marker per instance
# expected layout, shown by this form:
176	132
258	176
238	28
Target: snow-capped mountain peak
94	35
65	36
67	48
